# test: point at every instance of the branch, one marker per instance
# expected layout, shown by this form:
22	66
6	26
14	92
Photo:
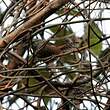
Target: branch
53	6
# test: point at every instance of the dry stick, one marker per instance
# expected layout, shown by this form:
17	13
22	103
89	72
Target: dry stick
69	22
14	35
58	92
52	18
56	96
10	10
18	57
46	12
35	9
29	69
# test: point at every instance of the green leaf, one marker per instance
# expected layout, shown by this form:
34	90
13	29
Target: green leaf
61	32
1	16
32	81
36	89
70	58
46	100
95	35
73	12
44	73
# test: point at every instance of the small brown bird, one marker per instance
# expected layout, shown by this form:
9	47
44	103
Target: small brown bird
50	50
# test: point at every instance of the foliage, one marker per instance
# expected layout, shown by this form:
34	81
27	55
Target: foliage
45	64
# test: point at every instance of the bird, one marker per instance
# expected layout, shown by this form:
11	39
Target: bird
50	50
